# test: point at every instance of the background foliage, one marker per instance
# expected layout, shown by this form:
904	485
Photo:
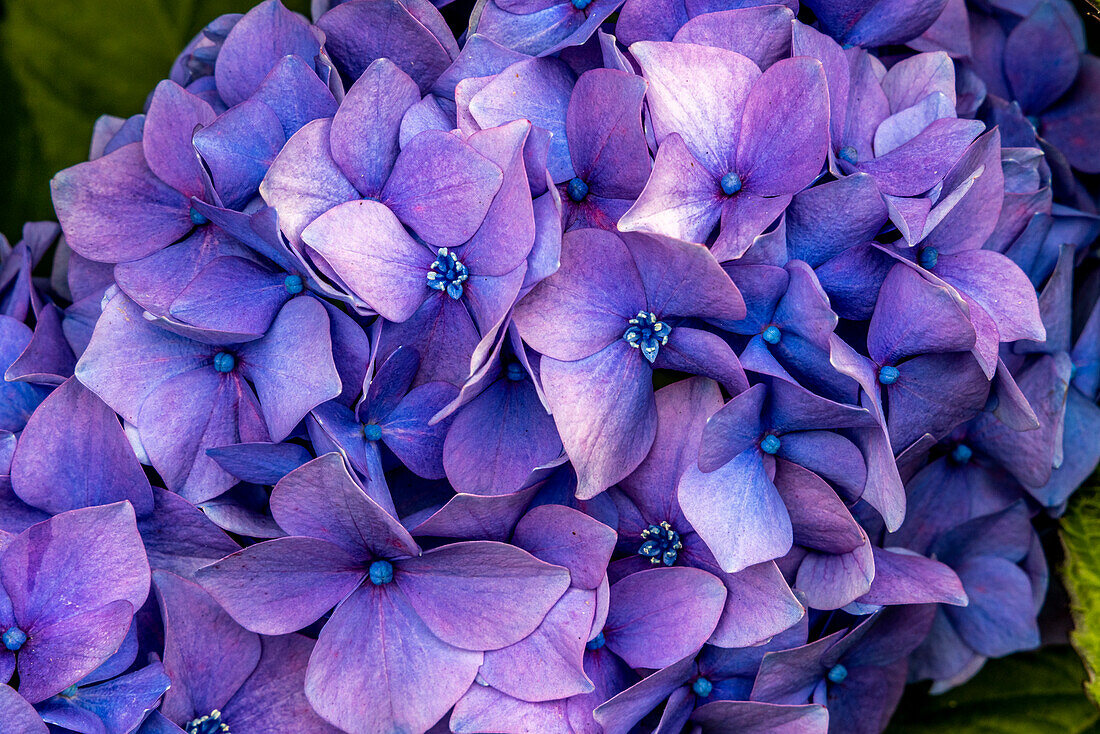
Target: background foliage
64	63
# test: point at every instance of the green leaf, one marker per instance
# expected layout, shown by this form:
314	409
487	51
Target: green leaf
1080	533
63	64
1026	693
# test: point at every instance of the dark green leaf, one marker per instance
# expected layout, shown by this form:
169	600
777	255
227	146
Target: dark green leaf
1080	532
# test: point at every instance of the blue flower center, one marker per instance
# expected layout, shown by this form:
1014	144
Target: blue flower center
448	274
577	189
702	687
515	372
581	5
928	257
645	332
372	431
224	362
293	284
888	375
210	724
848	153
731	183
14	638
772	335
381	572
596	642
660	544
837	673
198	218
69	692
962	453
770	444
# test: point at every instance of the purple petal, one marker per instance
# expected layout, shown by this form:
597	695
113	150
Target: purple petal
1040	59
603	126
752	717
761	33
1000	618
17	712
480	595
1068	124
569	538
173	115
904	577
179	538
239	147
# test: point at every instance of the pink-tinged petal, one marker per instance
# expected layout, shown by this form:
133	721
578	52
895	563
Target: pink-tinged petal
699	92
413	677
480	595
145	213
866	105
441	187
304	181
808	41
682	410
737	511
548	663
905	577
921	163
477	517
59	653
828	581
901	127
291	368
273	698
73	453
1000	287
753	717
281	585
911	80
366	244
759	605
604	127
364	134
443	332
18	713
206	654
682	279
785	131
566	537
682	198
916	316
483	708
1070	124
744	218
604	409
585	305
537	90
59	567
762	33
662	615
321	500
173	115
358	33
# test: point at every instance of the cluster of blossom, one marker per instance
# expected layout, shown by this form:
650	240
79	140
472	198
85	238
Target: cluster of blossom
644	366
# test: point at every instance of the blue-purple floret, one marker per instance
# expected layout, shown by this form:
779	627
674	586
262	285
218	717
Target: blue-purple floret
716	357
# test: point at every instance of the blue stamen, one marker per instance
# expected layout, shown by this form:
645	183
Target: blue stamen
849	154
772	335
381	572
372	431
577	190
293	284
731	183
837	673
596	642
702	687
448	274
661	544
224	362
888	375
69	692
14	638
198	218
210	724
962	453
515	372
770	444
928	258
645	332
581	4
